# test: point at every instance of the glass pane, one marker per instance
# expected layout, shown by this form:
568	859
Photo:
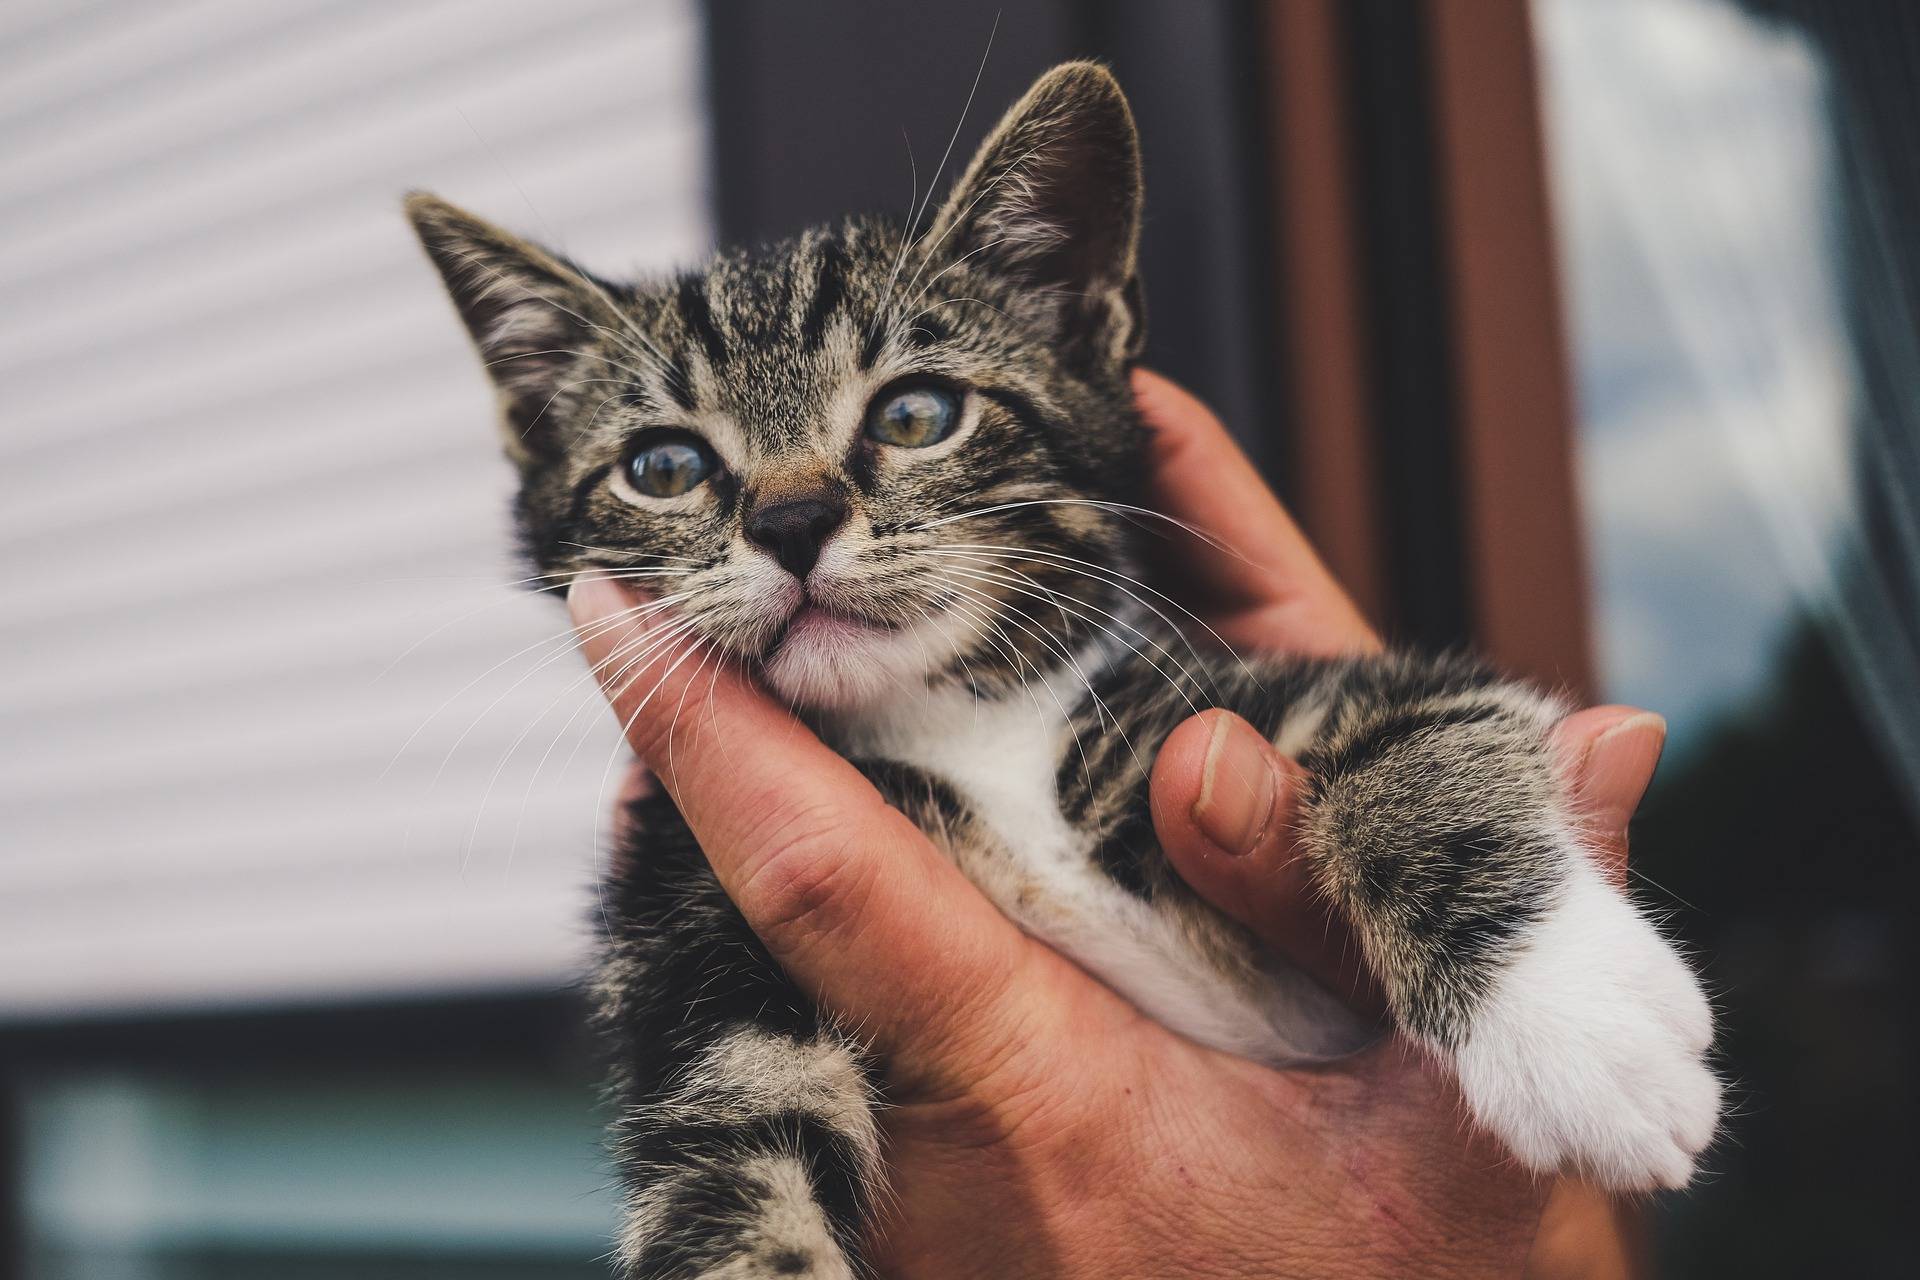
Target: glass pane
1740	285
401	1177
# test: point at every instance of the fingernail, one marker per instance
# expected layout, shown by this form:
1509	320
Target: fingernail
1622	760
1238	787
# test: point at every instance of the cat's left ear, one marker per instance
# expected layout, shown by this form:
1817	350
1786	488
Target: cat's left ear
527	310
1053	197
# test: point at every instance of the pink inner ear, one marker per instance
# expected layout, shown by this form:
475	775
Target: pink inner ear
528	344
1054	194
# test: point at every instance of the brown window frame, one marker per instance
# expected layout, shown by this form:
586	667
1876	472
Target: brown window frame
1432	455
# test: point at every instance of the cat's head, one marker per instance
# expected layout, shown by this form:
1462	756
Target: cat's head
857	458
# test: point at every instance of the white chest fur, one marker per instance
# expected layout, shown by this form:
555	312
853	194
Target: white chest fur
1185	969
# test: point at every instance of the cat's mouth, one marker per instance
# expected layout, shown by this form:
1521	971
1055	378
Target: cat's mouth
812	622
827	656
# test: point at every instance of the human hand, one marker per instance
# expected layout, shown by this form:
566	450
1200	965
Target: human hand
1039	1125
1610	754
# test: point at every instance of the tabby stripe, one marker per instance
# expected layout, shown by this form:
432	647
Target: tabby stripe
876	341
697	314
1464	924
1131	853
691	1223
862	462
926	331
584	490
830	289
1362	746
748	1072
1049	432
1024	410
674	374
712	1154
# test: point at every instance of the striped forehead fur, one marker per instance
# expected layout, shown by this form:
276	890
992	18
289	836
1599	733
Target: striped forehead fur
1017	297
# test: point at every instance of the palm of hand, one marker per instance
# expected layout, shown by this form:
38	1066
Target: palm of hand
1083	1139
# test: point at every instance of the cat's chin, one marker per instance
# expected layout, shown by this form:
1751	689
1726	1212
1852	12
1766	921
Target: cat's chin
831	663
836	663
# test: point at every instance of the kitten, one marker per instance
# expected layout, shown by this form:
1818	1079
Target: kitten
891	475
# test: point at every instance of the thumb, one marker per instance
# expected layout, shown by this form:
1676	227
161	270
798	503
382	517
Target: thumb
848	895
1609	754
1224	809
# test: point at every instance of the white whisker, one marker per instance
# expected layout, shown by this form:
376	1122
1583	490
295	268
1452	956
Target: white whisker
907	233
647	640
1122	581
1049	643
565	642
1053	597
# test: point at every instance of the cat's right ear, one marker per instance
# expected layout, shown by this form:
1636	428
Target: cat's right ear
1053	198
526	309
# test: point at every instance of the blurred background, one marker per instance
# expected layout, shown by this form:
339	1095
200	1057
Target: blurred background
1581	331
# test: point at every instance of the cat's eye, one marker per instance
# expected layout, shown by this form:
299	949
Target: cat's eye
913	417
670	463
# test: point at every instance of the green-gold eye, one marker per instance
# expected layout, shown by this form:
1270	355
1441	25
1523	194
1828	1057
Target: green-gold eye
671	463
913	417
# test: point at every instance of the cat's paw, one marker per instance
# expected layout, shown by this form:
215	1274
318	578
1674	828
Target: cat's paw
1589	1054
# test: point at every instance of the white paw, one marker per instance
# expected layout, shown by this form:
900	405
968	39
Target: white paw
1589	1056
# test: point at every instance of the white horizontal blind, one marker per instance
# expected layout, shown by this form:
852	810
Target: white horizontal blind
253	518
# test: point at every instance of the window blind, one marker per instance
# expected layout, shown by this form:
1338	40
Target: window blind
260	741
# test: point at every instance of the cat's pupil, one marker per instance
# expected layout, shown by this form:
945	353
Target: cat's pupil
914	418
670	467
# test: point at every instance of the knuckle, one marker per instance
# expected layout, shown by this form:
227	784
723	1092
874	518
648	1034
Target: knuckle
805	875
646	739
675	735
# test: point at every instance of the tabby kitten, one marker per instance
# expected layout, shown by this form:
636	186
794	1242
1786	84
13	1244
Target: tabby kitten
893	475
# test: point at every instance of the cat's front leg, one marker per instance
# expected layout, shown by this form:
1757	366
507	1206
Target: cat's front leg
1437	819
747	1137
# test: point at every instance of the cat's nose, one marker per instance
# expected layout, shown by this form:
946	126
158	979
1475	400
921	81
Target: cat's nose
795	531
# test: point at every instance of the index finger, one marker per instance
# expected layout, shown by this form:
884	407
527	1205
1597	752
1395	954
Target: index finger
1267	588
844	890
